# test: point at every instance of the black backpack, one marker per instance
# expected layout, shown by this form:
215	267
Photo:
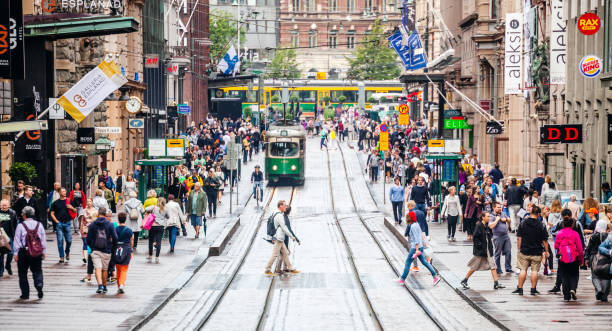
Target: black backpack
122	254
271	229
101	239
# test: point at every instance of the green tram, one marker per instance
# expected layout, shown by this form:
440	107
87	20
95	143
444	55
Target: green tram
285	152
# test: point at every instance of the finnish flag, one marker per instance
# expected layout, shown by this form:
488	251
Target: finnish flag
230	64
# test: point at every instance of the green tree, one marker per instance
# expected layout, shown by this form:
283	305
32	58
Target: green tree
373	59
283	65
222	29
22	171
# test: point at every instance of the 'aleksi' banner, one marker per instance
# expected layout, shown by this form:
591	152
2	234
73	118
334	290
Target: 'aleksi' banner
92	89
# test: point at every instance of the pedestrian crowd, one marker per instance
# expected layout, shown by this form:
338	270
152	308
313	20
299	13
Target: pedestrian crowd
112	219
554	237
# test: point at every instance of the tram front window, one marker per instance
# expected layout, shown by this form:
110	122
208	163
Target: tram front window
283	149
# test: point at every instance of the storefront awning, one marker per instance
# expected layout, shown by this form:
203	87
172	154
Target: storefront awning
82	27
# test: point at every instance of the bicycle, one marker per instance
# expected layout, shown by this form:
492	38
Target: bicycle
258	194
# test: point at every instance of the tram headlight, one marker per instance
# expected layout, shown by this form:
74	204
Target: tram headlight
293	167
275	167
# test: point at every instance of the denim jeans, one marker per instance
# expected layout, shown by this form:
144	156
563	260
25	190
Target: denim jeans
422	207
421	258
64	232
172	232
503	246
397	210
259	185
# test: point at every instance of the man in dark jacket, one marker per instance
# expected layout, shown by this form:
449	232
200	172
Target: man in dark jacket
531	242
26	200
420	195
514	195
496	174
101	237
538	182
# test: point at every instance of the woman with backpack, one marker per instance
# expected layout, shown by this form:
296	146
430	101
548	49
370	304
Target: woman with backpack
156	232
601	284
122	254
568	249
483	258
134	209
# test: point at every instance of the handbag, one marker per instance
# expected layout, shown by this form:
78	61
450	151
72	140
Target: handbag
149	220
601	266
5	242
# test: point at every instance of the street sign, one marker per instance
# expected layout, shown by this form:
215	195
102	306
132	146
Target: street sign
456	124
17	126
86	136
383	139
565	134
403	109
156	147
183	108
56	111
403	119
452	146
136	123
321	75
435	146
108	129
384	127
448	113
485	105
494	128
175	147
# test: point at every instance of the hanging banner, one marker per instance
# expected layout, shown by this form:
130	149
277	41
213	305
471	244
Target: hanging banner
412	55
12	60
513	73
558	43
92	89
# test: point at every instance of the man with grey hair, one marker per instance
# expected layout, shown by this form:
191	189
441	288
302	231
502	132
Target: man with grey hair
24	257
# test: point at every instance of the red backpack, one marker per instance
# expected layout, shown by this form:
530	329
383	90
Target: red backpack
34	246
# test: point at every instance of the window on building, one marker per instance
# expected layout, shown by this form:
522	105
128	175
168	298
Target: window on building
350	5
333	39
350	40
295	38
333	5
296	5
312	38
310	5
369	5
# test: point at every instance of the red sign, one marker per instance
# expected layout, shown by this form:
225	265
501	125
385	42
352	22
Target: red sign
403	109
589	24
173	69
566	134
485	105
151	61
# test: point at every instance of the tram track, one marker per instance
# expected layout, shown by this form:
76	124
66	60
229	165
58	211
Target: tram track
375	317
414	295
148	317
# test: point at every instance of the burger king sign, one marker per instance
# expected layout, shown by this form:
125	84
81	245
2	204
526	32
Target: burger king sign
590	66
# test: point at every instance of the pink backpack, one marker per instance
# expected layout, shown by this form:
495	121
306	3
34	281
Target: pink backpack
567	250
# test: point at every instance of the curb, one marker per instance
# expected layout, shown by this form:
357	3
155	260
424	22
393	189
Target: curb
137	321
219	245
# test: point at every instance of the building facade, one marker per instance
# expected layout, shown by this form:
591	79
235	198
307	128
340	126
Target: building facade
325	32
588	101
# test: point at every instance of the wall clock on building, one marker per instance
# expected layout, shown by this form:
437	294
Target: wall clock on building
219	93
133	105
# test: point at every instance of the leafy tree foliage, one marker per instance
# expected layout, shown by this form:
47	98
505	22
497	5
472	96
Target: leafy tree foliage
373	59
283	65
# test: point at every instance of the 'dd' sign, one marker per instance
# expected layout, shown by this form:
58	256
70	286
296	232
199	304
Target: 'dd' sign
565	134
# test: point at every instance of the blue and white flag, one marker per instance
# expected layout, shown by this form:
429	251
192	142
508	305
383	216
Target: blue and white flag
230	64
412	55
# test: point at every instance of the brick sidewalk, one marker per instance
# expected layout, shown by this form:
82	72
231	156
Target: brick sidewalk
70	304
